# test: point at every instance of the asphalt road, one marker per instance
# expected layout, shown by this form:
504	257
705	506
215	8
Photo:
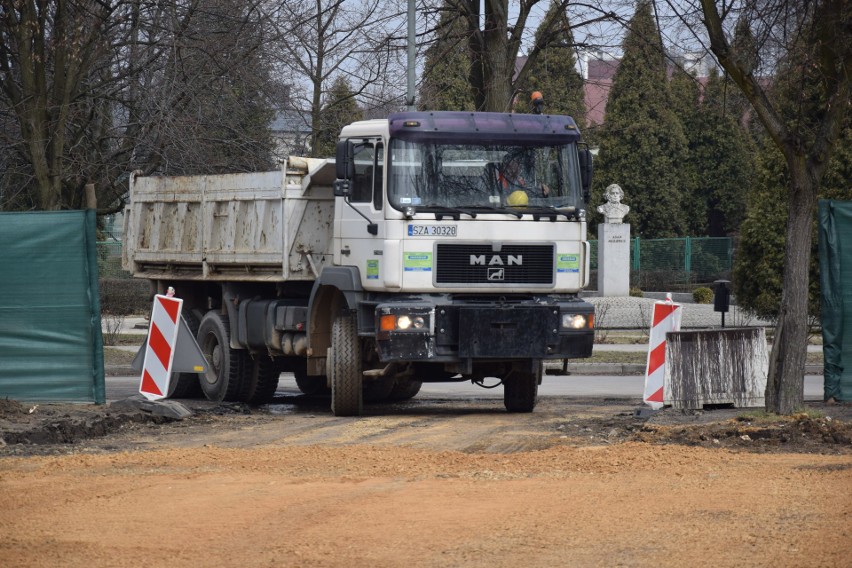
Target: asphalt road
594	386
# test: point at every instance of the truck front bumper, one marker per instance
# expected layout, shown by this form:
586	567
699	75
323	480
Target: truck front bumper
444	328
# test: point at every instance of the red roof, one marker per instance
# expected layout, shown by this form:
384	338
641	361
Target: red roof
595	94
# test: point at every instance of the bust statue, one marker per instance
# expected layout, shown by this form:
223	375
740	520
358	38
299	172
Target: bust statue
613	210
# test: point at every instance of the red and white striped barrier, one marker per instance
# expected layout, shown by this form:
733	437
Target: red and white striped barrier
665	318
160	348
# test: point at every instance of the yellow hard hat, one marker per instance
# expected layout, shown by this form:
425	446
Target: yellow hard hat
518	199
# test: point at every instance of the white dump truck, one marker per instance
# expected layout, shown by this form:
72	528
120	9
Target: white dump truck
437	246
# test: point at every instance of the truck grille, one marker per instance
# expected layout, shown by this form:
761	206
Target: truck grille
476	264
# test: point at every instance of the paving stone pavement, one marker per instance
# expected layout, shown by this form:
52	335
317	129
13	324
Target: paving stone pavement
635	313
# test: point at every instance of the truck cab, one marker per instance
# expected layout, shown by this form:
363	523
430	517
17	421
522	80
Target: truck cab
459	251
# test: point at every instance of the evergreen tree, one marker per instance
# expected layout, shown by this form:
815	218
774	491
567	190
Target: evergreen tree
759	262
684	101
340	109
554	71
762	252
446	83
643	147
723	155
717	174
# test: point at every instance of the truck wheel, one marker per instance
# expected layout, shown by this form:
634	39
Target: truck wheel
187	385
405	389
379	390
310	385
520	390
345	368
260	382
224	365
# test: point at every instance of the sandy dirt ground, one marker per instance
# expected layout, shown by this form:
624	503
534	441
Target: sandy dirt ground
437	483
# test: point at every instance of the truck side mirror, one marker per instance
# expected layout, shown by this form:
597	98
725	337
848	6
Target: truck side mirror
344	165
345	160
586	168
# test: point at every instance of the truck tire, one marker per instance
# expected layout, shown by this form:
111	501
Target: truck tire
225	365
187	385
310	385
261	380
520	390
405	390
379	390
345	368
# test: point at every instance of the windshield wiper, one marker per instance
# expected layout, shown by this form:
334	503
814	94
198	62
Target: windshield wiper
441	211
503	210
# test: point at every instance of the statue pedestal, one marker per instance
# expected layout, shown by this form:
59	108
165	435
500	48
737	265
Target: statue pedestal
614	259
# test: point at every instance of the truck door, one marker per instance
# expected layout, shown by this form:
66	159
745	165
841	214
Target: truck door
356	246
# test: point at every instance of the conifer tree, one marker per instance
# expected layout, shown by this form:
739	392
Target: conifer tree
759	262
684	101
717	174
643	145
554	71
445	85
340	109
723	154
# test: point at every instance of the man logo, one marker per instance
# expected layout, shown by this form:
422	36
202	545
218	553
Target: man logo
496	274
496	260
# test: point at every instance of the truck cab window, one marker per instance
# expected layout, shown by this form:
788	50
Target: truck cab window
369	166
378	176
362	185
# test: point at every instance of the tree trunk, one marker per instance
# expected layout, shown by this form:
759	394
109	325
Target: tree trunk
785	383
498	58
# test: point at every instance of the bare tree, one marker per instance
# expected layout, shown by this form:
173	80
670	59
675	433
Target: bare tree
325	39
495	38
807	45
91	90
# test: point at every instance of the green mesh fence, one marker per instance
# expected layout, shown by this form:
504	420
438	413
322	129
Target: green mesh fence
109	260
667	264
51	347
835	267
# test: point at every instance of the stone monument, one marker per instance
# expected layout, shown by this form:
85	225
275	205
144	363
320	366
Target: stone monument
614	245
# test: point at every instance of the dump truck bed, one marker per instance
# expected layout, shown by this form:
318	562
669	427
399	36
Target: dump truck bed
266	226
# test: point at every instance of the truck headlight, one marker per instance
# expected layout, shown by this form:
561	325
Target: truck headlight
577	321
395	322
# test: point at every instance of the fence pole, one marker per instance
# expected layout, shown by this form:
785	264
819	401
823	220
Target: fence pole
687	260
637	264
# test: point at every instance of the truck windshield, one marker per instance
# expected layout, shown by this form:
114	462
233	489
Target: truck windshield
429	174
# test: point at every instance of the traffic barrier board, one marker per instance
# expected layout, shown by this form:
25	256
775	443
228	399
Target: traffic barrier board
665	317
160	348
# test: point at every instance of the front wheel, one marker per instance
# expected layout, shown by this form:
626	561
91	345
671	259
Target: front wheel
344	368
520	389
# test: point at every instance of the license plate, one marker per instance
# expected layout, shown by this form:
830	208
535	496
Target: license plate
432	230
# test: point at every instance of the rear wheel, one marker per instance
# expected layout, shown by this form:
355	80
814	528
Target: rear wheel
260	380
520	389
405	389
310	385
379	390
224	364
187	385
344	367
